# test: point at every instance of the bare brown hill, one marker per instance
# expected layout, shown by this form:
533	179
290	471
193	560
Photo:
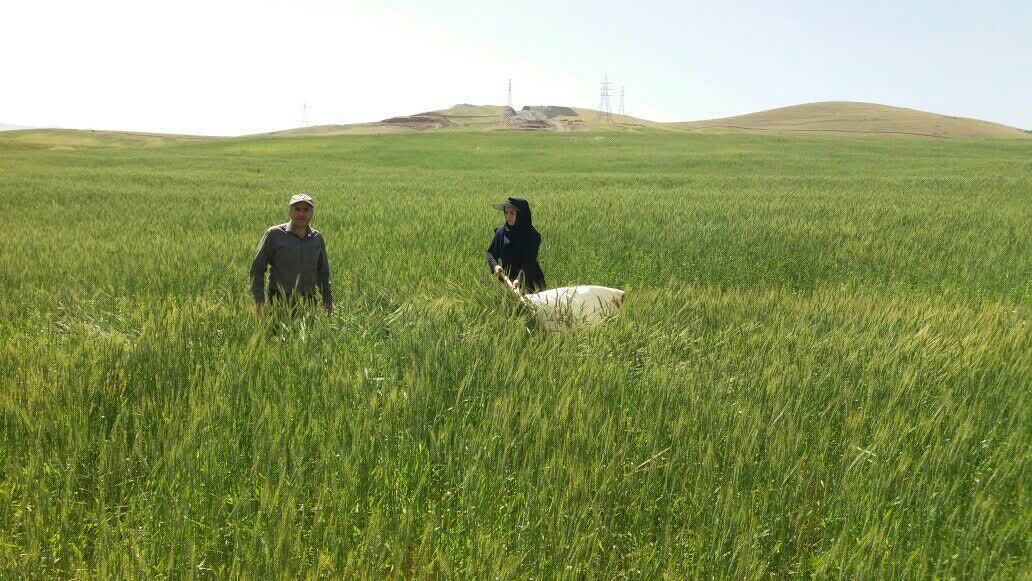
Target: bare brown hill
828	117
466	117
850	117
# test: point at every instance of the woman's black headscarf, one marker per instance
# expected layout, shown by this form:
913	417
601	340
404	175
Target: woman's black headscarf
524	224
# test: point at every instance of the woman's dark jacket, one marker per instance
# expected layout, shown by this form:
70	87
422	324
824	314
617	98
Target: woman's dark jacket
516	249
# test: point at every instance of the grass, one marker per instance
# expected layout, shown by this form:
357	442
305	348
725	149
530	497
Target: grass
850	117
821	369
85	138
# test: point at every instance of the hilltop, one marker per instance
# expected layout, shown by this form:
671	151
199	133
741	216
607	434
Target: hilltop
539	117
488	118
851	117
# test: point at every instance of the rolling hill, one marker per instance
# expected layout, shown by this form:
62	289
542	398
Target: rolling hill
465	117
850	117
87	138
825	117
841	117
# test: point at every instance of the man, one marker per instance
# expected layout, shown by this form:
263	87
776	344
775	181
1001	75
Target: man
297	254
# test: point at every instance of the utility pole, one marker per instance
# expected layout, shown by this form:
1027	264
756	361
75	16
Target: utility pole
622	100
604	105
508	98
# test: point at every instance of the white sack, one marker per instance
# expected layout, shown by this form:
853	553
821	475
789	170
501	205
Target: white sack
574	306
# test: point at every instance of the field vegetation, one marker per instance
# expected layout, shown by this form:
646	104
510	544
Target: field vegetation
822	367
70	139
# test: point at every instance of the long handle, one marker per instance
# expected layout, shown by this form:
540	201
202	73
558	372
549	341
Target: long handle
515	289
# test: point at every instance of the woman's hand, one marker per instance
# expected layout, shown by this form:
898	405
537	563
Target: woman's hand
498	270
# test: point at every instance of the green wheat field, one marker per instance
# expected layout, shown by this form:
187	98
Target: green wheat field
822	367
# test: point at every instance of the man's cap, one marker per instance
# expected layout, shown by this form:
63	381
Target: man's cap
506	204
301	198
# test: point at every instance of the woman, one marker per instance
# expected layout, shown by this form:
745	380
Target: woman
514	250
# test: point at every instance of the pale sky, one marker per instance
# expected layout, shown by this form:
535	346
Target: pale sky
237	67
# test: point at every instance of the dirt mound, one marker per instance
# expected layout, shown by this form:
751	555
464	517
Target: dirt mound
549	111
539	118
529	124
570	125
420	121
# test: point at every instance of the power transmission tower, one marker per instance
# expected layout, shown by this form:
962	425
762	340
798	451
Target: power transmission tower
622	100
304	115
604	106
508	99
